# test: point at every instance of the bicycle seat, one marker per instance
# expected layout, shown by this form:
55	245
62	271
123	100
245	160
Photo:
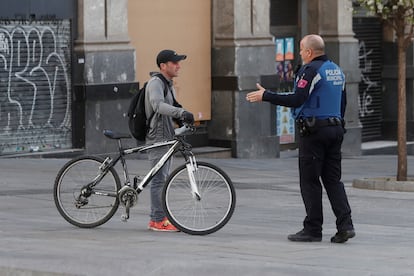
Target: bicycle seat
115	135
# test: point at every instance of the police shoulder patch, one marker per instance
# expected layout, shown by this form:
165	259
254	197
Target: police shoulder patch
302	83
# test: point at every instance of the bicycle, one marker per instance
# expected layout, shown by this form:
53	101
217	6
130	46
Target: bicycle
198	197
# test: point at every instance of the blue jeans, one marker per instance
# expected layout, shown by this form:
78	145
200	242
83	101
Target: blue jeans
157	183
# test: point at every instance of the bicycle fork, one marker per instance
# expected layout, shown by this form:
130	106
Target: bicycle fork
191	168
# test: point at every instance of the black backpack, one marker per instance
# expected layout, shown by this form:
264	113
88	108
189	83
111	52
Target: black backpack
137	119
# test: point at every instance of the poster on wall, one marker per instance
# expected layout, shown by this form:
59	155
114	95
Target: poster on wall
285	123
289	54
280	49
279	58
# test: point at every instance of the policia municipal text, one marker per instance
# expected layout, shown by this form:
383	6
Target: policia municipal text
318	105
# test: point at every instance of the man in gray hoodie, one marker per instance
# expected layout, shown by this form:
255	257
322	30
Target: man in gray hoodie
162	128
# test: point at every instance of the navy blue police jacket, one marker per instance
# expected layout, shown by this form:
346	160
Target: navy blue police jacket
319	91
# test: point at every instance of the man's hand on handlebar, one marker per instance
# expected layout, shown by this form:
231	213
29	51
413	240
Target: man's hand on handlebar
185	129
187	117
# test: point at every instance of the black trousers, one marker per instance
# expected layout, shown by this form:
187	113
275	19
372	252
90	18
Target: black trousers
320	160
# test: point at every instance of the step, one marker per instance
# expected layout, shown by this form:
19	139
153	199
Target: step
205	152
62	153
381	147
212	152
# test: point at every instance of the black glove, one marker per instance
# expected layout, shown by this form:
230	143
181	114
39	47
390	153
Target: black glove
187	117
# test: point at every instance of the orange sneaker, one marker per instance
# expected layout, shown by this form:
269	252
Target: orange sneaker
164	225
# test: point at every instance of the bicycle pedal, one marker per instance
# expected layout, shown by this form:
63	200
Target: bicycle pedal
124	217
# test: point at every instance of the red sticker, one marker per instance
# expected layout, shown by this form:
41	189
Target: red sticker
302	83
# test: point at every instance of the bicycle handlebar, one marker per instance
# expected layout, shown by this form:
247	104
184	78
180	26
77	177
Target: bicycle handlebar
185	129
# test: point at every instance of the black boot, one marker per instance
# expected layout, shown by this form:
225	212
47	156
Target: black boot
303	236
343	236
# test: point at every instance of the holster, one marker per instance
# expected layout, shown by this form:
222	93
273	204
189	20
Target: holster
305	126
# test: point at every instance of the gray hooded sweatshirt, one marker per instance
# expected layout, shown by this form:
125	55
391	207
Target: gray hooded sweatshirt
161	125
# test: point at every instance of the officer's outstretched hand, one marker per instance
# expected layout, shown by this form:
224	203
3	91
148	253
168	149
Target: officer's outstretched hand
187	117
256	96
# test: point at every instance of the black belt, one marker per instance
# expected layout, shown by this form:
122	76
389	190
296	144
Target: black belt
307	126
333	121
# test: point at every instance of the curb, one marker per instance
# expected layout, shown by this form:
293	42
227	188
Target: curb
384	184
11	271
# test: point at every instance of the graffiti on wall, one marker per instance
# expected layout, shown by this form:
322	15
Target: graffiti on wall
35	85
365	99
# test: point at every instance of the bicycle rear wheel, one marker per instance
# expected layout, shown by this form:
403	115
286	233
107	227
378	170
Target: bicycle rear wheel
200	216
81	204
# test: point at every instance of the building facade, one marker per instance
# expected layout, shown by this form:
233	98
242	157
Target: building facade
69	67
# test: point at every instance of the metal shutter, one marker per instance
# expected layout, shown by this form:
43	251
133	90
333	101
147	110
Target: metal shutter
35	85
368	31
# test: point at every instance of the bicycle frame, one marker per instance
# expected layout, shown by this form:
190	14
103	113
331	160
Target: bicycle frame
177	144
144	182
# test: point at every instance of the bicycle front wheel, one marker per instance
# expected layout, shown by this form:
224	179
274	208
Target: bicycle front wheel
81	203
204	215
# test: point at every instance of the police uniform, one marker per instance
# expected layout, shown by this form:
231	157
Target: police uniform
318	104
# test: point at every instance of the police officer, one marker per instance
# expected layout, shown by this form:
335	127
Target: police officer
318	104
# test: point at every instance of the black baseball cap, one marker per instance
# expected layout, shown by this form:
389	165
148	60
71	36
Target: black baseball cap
169	55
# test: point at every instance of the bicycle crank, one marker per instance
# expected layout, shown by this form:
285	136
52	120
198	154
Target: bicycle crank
128	197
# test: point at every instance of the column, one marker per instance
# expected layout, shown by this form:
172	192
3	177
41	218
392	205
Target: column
342	48
103	51
242	54
104	73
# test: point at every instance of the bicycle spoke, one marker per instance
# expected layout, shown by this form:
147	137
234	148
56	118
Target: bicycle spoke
82	206
203	216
